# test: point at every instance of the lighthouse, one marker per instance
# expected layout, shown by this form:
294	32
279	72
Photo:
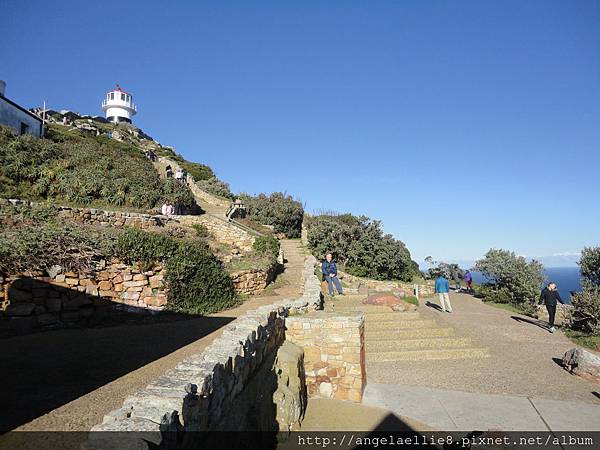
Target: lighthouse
118	106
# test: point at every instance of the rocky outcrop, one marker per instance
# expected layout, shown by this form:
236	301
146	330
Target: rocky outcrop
583	363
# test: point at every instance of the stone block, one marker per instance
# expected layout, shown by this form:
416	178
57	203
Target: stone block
72	281
583	363
20	309
105	285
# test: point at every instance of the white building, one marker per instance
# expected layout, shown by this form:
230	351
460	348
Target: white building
118	106
17	117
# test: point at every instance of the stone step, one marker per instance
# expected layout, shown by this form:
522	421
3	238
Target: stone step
399	324
428	355
416	344
389	316
407	333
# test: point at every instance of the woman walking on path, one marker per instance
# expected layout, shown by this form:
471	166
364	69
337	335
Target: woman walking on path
469	281
550	296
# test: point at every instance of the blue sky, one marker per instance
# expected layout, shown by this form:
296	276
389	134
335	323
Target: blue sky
461	125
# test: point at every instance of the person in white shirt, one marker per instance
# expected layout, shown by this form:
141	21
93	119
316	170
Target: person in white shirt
167	209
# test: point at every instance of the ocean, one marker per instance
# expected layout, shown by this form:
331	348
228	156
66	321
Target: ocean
567	279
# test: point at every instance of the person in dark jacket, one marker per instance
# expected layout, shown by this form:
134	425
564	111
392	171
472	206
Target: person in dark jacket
329	269
550	297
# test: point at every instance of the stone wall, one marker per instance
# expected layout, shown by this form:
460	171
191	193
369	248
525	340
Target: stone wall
39	299
247	379
219	229
334	353
253	281
425	290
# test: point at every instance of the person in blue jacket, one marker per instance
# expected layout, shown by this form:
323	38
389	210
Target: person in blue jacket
329	269
442	287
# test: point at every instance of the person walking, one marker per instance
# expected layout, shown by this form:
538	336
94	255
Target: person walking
329	269
550	296
442	287
469	281
456	276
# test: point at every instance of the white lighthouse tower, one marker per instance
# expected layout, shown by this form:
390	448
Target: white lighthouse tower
118	106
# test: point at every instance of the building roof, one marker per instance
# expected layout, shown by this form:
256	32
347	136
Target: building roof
21	108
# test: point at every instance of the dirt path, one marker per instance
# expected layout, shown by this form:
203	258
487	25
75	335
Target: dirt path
523	357
68	379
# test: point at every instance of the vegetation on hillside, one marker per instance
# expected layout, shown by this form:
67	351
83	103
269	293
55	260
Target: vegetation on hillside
278	210
80	169
512	279
361	246
35	239
587	302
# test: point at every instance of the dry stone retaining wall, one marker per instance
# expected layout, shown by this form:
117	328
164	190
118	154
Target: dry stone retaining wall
247	379
334	353
425	290
253	281
221	230
37	300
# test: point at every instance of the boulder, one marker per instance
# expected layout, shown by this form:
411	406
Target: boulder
583	363
393	302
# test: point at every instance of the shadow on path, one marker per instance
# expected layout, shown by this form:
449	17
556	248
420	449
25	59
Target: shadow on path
537	323
43	371
434	306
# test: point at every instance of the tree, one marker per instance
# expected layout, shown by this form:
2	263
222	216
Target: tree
587	302
517	280
361	246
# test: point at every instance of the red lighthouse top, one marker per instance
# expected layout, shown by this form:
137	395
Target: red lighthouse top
119	89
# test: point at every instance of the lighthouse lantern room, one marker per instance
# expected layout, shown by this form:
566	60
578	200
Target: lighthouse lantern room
118	106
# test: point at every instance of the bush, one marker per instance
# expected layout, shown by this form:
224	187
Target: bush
278	210
82	170
361	246
39	246
178	193
587	302
267	245
216	187
512	279
201	230
197	281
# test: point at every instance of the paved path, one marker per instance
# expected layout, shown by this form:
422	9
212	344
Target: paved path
68	379
462	411
523	358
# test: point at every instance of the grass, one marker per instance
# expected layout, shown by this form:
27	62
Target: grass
506	306
591	341
411	299
250	261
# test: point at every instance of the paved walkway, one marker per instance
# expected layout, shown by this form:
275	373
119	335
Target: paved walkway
68	379
462	411
524	357
521	386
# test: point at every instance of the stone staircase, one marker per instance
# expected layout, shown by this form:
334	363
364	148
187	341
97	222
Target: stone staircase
406	336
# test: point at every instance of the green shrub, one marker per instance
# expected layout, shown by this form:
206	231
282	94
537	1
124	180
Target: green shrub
197	281
361	246
177	193
512	279
82	170
201	230
586	303
278	210
216	187
267	244
32	247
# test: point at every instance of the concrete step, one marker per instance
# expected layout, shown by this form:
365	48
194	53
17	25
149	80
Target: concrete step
390	316
428	355
399	324
407	333
363	308
417	344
